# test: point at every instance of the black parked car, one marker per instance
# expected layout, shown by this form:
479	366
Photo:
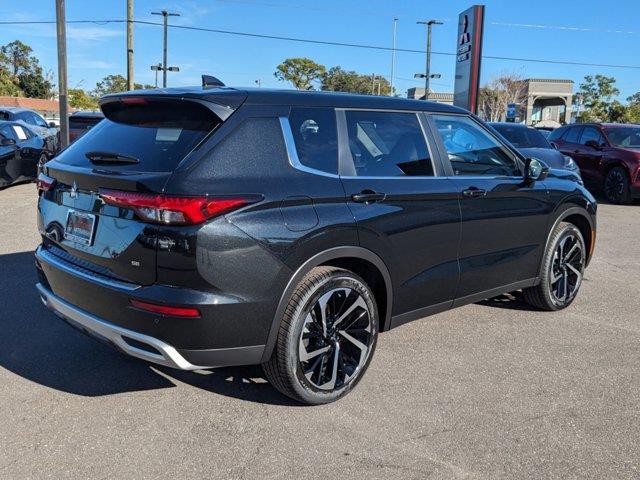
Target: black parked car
198	228
21	151
532	143
81	122
34	122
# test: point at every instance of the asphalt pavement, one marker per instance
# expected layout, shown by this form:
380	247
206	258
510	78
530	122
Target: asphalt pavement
491	390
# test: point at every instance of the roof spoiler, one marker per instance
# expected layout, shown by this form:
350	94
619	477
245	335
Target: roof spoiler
211	81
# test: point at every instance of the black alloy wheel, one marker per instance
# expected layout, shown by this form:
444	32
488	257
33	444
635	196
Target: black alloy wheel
616	186
326	339
562	270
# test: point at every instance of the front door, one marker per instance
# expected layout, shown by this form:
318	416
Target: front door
504	219
407	212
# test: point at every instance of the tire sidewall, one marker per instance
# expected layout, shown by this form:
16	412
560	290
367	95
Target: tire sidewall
561	232
302	387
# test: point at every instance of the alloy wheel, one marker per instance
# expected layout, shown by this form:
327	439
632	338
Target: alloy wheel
336	339
614	185
567	268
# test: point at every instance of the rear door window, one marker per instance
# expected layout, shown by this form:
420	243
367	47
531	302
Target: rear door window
591	133
387	144
572	135
157	133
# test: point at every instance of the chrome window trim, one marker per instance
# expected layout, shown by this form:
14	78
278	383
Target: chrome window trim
292	151
424	136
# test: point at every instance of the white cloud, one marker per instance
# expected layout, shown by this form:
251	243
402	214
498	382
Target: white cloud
92	34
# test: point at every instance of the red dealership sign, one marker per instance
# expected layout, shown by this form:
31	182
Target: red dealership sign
469	57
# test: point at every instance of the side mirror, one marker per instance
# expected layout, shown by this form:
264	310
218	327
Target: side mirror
52	125
535	170
593	144
7	142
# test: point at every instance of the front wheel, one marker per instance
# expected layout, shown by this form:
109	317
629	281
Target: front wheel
326	339
562	270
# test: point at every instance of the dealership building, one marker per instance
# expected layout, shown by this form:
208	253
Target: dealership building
548	102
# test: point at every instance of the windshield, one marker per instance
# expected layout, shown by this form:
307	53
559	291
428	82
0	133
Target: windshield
522	137
625	137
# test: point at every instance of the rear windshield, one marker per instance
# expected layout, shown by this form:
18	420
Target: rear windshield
159	134
523	137
4	116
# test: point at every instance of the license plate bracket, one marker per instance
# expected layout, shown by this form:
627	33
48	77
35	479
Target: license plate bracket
80	227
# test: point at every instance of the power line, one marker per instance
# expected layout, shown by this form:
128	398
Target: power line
336	44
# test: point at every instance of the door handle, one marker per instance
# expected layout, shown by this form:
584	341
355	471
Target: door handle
368	196
474	192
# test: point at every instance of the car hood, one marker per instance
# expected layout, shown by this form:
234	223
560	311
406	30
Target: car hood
552	157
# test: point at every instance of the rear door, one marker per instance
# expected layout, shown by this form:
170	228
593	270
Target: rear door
7	155
134	150
504	220
406	211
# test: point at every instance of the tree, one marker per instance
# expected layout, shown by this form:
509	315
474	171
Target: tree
633	109
596	94
496	95
339	80
301	72
115	84
16	57
7	86
81	100
34	84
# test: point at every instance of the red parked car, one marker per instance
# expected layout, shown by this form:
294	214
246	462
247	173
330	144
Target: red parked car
608	155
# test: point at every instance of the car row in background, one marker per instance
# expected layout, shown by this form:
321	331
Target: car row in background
35	123
22	152
532	143
608	156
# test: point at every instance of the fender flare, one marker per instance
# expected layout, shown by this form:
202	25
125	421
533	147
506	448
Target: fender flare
307	266
560	216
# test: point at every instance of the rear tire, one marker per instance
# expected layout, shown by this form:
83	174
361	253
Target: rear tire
616	186
326	339
561	272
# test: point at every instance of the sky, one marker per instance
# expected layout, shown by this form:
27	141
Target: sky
593	31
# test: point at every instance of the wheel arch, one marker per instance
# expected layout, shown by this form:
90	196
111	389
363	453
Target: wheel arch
582	219
361	261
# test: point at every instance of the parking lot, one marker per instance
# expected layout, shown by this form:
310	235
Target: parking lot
491	390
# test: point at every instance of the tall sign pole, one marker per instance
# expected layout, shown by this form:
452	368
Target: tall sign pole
393	55
61	33
165	69
130	81
469	58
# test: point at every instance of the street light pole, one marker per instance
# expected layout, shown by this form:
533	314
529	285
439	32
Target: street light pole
61	33
165	17
130	81
427	77
393	54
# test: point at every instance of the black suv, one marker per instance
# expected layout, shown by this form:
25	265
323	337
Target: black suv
205	227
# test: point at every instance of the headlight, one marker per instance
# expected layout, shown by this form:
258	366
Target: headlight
569	164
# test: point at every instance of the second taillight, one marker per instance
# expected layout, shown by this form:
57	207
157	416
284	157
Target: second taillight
171	210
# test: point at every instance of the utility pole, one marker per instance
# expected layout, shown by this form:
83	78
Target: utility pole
165	69
373	84
130	81
427	78
61	33
393	54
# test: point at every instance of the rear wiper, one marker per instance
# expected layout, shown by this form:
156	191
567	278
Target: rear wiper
110	157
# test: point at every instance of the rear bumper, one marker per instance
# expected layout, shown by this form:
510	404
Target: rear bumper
100	306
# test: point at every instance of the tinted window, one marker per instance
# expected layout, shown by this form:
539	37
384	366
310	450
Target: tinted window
472	150
591	134
38	120
522	137
82	123
4	115
314	133
624	136
158	133
386	144
572	135
556	134
7	132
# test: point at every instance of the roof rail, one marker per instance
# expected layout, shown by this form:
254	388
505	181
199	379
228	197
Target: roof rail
210	81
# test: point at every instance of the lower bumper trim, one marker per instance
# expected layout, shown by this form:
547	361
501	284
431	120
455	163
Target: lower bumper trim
157	351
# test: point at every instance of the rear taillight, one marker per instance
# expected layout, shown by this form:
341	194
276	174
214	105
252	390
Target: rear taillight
166	309
45	183
170	210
